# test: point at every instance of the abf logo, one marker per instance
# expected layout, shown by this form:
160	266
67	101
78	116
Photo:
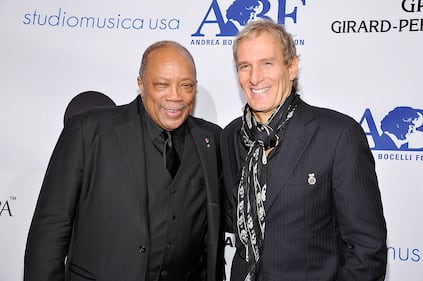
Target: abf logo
402	129
240	12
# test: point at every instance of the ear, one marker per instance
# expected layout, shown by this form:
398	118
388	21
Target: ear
140	86
293	69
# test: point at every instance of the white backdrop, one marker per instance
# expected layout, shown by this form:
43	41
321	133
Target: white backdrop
360	57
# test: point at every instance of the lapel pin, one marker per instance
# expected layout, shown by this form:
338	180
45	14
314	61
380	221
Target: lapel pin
207	142
311	179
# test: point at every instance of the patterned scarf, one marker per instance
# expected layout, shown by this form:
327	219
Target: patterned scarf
258	137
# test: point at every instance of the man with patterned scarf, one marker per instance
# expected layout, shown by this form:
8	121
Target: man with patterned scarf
302	195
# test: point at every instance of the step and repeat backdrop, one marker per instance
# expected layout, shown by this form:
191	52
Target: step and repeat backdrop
363	58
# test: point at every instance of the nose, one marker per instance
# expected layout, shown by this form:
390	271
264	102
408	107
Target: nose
174	93
256	75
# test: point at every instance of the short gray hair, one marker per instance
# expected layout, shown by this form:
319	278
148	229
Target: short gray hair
160	45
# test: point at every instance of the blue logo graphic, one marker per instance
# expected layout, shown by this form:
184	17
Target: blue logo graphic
401	129
240	12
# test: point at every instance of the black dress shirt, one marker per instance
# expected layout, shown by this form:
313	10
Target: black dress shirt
177	209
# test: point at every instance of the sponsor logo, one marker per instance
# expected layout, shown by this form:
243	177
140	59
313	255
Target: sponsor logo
400	254
399	131
226	19
406	24
64	19
412	6
230	240
216	24
397	254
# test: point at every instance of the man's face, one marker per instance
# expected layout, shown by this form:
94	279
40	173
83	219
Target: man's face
263	75
169	87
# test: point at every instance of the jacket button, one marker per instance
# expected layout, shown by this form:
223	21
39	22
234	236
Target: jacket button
141	249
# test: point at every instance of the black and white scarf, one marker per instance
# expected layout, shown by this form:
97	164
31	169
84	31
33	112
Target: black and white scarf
258	137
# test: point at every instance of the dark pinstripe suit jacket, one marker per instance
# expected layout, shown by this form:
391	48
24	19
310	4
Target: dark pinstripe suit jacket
331	230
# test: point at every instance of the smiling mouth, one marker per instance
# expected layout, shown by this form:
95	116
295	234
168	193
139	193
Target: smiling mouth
260	91
173	110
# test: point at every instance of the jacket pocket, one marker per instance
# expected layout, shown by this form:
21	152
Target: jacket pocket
78	273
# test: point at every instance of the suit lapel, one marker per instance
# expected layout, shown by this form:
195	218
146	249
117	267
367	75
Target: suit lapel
205	143
206	146
131	139
298	135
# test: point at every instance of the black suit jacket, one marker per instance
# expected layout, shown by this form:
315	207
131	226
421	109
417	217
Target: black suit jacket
333	229
92	205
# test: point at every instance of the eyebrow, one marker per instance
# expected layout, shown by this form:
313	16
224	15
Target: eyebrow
260	60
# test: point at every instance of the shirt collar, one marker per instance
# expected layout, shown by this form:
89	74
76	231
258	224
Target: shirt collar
154	130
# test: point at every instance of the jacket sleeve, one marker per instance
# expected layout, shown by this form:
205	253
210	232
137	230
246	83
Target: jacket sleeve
359	209
50	231
230	165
